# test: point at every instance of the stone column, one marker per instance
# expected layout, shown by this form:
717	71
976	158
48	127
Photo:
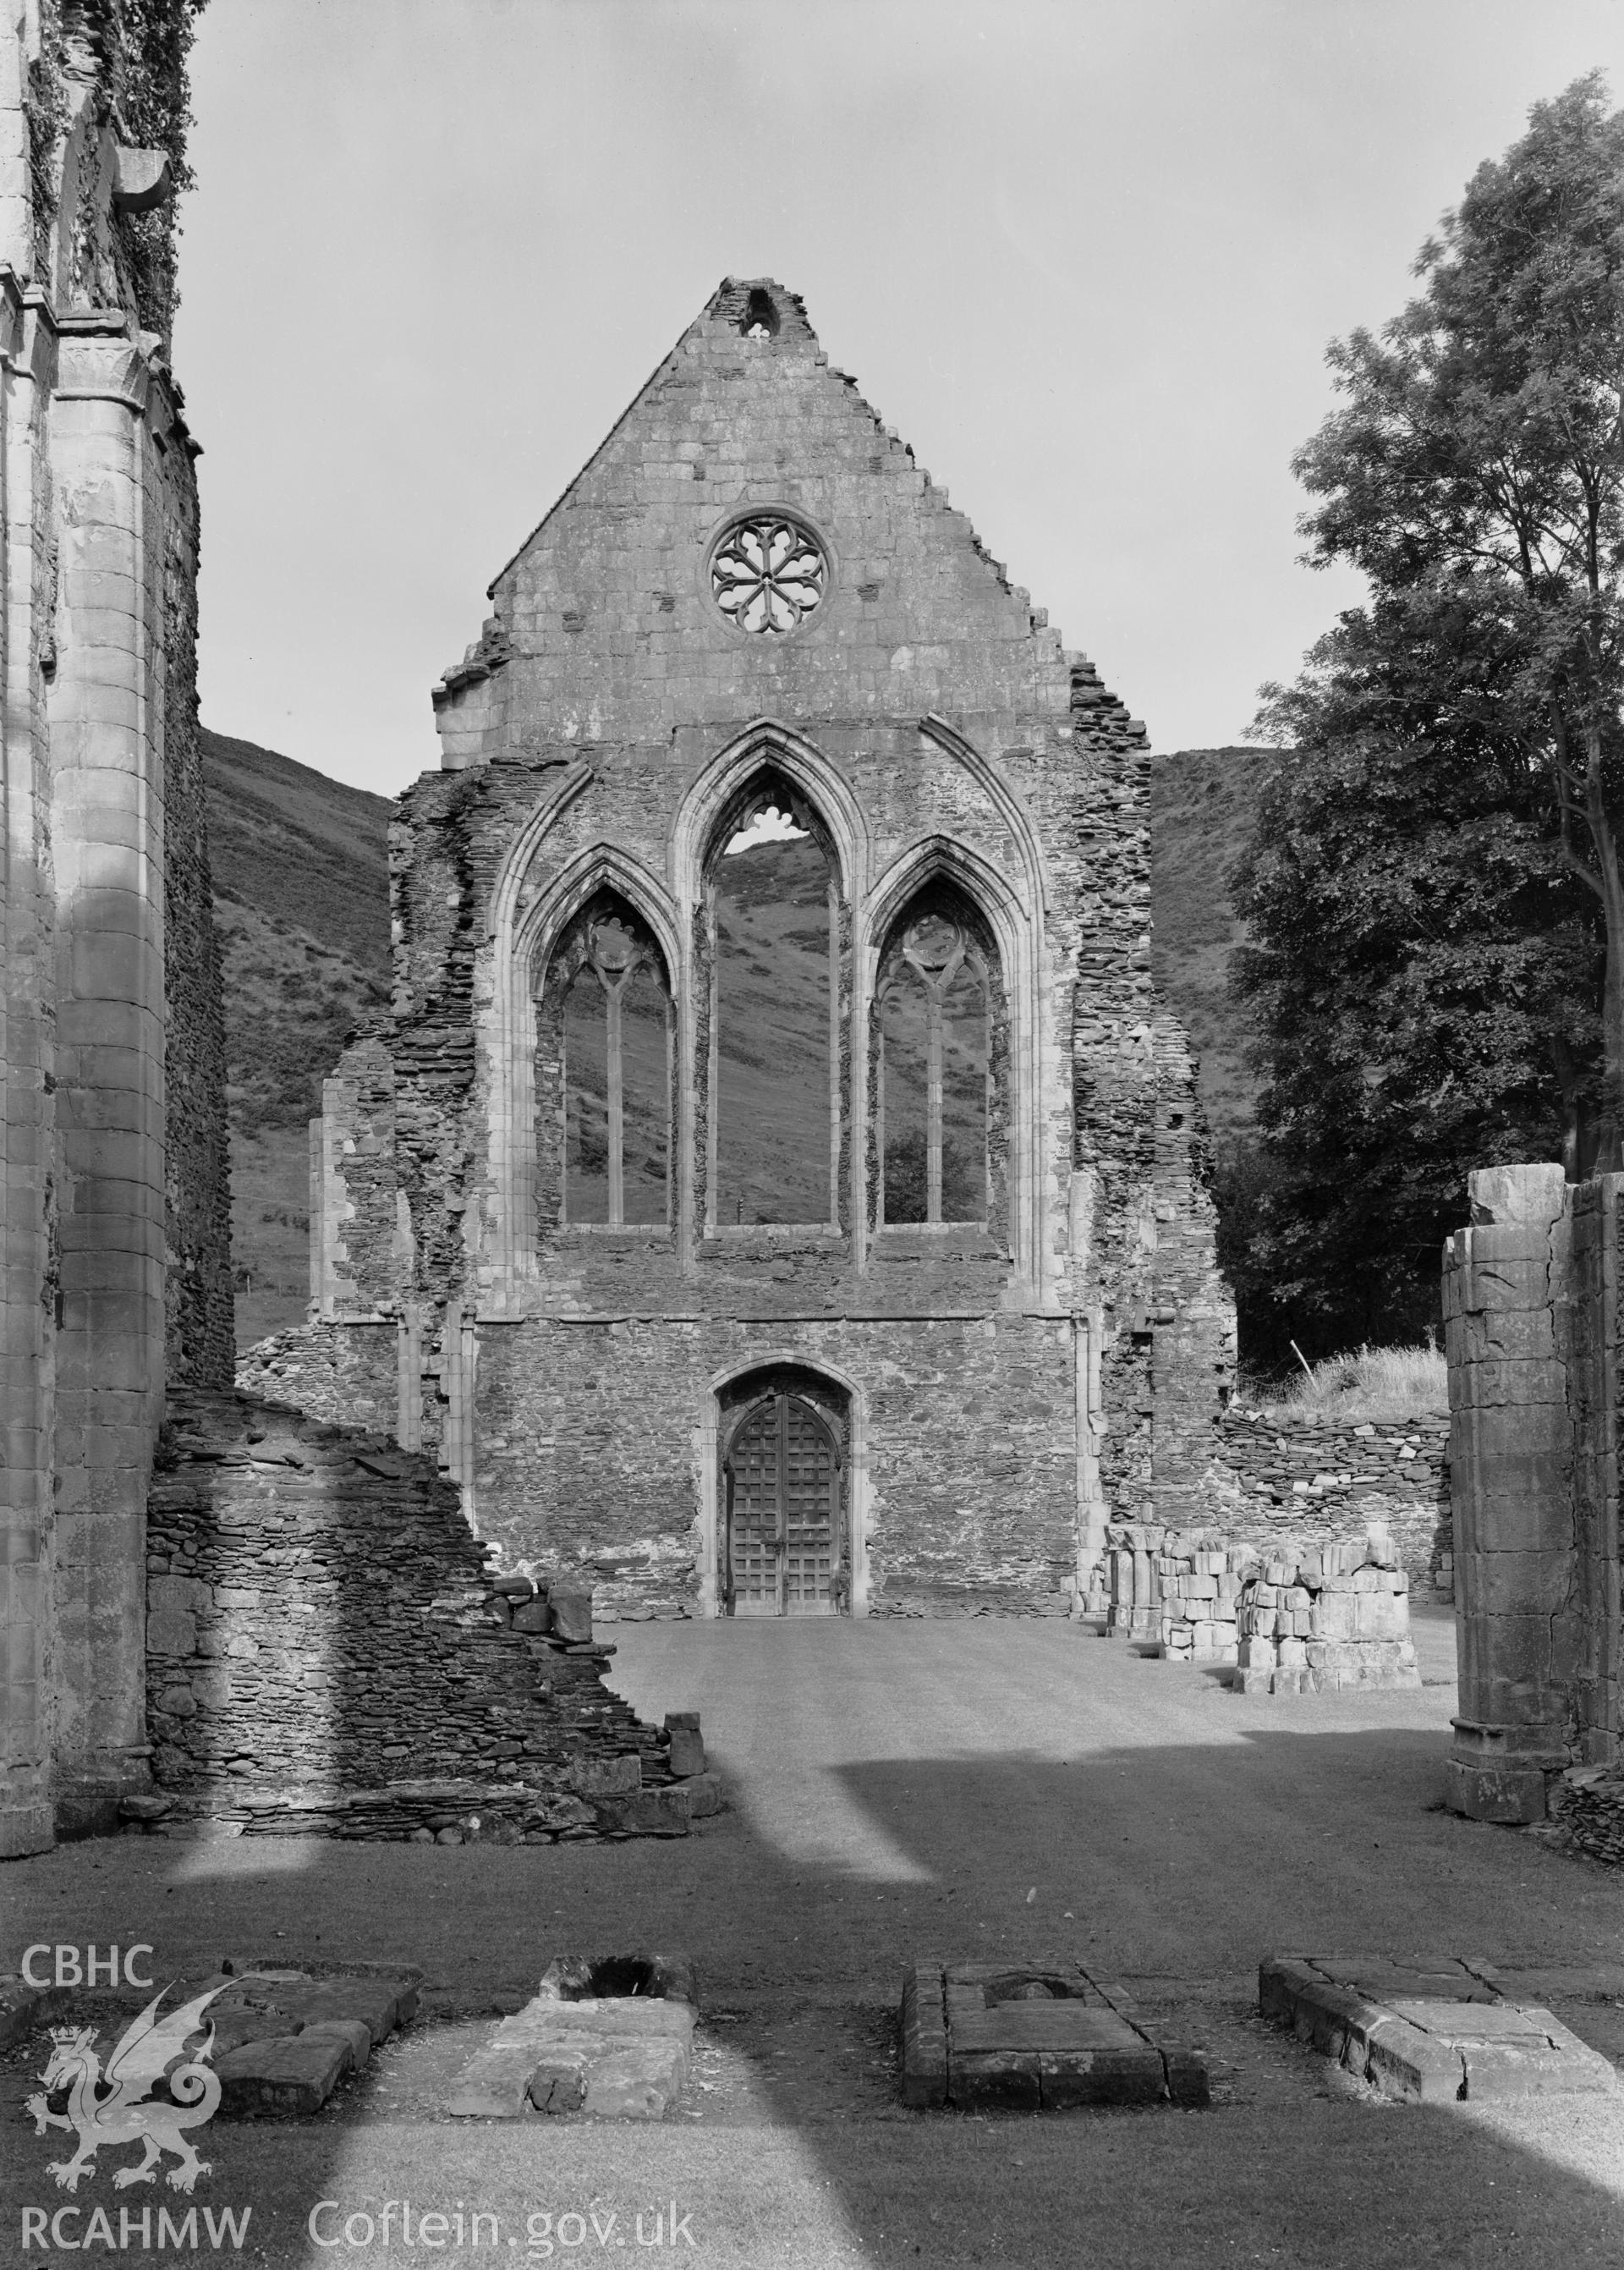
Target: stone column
108	842
27	1285
1587	1334
1511	1465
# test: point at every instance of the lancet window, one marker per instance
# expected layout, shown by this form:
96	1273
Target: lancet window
935	1104
773	918
606	1037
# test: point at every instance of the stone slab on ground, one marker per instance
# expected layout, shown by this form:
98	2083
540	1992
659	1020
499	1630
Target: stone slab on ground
285	2038
23	2006
1033	2037
1433	2029
288	2074
614	2057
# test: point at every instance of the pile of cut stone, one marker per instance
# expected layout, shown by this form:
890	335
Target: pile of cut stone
1200	1584
1338	1616
1291	1621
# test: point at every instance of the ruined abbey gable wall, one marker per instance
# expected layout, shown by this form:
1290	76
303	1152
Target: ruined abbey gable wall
1008	1378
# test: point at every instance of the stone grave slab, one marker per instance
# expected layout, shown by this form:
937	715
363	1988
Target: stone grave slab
1031	2038
285	2037
1433	2030
611	2040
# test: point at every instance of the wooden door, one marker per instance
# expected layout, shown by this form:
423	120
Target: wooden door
782	1481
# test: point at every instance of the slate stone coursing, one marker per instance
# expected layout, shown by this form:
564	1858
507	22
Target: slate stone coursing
328	1650
1303	1480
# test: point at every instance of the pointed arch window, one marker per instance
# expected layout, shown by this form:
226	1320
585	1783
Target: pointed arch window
774	949
606	1044
935	1105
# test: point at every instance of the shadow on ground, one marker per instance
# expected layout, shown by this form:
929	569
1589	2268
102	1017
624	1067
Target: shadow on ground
1177	1863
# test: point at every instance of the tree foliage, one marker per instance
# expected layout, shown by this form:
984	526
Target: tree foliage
1434	887
1424	979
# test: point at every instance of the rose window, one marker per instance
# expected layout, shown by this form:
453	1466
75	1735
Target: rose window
768	575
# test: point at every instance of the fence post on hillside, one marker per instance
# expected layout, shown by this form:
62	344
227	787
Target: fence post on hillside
1511	1468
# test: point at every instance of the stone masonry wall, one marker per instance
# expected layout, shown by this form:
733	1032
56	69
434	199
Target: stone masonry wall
592	740
199	1341
329	1650
1301	1477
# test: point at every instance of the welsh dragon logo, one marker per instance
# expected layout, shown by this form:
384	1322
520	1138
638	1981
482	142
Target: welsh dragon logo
116	2107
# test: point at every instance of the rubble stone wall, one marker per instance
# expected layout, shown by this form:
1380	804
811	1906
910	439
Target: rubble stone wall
1302	1478
328	1648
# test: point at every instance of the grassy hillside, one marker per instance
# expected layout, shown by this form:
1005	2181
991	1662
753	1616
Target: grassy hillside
1202	803
301	902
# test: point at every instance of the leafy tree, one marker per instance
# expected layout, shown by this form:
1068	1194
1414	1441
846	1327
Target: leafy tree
1476	475
1434	885
1424	979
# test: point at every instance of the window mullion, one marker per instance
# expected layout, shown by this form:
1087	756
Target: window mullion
612	1056
933	1103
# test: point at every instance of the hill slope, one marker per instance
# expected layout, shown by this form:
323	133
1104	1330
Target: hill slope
302	902
1202	805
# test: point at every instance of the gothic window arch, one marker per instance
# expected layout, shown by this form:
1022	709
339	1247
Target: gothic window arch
940	1073
605	1045
773	954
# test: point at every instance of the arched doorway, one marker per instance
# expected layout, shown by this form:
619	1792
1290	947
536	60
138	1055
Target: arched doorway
782	1531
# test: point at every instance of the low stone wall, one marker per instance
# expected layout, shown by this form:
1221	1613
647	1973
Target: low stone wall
1585	1808
1329	1616
1306	1478
328	1651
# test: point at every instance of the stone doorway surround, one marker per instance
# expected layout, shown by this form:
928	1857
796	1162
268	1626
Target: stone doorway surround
840	1405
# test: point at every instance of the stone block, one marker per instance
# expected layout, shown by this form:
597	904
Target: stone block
494	2084
1067	2078
1501	1584
634	2080
704	1794
532	1616
1533	1195
375	2002
925	2035
593	1777
1418	2067
354	2033
1508	1793
559	2084
1186	2079
647	1813
687	1755
287	2074
1008	2078
571	1614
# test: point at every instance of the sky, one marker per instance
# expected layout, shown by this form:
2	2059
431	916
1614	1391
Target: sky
1085	256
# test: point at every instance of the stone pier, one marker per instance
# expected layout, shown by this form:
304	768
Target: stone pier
1530	1309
